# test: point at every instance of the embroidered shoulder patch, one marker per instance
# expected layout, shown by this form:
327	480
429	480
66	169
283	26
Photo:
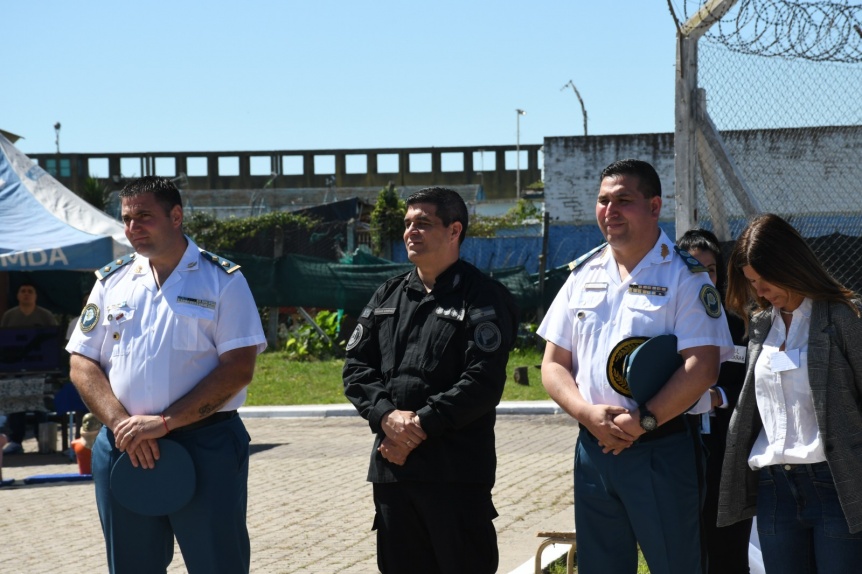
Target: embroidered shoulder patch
355	337
487	337
711	301
89	317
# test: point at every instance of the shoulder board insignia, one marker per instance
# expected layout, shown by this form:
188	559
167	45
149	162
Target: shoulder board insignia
112	266
693	264
580	260
220	262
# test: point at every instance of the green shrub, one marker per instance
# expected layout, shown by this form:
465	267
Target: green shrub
305	343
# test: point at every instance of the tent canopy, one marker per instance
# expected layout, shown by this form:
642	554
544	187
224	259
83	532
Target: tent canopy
44	226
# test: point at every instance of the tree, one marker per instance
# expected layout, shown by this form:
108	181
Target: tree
387	221
95	193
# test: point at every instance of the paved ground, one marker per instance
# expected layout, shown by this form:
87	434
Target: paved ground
310	509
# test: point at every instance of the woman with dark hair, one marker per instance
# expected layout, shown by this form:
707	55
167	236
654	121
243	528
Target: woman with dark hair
726	547
794	447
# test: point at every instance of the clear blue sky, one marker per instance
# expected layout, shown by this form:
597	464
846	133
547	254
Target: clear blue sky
193	75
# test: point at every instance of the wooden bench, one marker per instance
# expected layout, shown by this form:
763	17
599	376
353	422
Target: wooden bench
557	538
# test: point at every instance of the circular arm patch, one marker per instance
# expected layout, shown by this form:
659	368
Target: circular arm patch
89	317
711	301
355	337
487	337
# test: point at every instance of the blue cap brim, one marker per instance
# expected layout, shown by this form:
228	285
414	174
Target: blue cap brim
649	367
155	491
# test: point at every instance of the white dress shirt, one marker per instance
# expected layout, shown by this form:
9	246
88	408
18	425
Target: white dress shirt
595	310
155	344
790	434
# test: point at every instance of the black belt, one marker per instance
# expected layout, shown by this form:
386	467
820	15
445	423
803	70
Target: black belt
673	426
214	418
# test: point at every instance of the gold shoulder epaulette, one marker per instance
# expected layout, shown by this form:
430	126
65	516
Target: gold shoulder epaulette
222	263
109	268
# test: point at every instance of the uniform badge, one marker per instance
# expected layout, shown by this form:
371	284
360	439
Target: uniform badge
89	317
665	251
355	337
616	364
711	301
487	337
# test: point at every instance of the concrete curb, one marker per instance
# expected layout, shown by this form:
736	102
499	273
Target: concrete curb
347	410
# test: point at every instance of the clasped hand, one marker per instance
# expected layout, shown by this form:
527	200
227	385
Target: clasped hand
136	436
403	434
613	426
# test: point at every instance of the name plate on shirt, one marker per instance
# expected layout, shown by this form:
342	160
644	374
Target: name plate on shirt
739	353
785	360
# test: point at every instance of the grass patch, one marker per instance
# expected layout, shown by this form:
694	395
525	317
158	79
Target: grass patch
559	565
279	381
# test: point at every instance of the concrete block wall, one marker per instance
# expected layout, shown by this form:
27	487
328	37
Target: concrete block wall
573	166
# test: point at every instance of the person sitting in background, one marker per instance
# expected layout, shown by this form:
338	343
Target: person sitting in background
26	314
793	454
726	547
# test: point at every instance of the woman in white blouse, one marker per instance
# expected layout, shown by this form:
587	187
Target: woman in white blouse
794	447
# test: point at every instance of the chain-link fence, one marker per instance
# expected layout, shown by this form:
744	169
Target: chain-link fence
779	123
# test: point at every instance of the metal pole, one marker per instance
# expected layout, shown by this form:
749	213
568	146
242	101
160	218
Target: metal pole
57	140
581	101
519	112
518	158
543	265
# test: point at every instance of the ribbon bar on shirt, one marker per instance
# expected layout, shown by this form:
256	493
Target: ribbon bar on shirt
647	289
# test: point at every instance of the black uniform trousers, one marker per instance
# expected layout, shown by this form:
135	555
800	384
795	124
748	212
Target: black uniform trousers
435	528
727	546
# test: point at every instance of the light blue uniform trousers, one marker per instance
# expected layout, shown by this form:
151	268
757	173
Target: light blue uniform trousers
646	495
211	529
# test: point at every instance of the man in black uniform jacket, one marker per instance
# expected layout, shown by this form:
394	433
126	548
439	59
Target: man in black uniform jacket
425	367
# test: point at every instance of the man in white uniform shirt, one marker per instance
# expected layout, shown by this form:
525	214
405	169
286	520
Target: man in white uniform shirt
636	479
166	345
